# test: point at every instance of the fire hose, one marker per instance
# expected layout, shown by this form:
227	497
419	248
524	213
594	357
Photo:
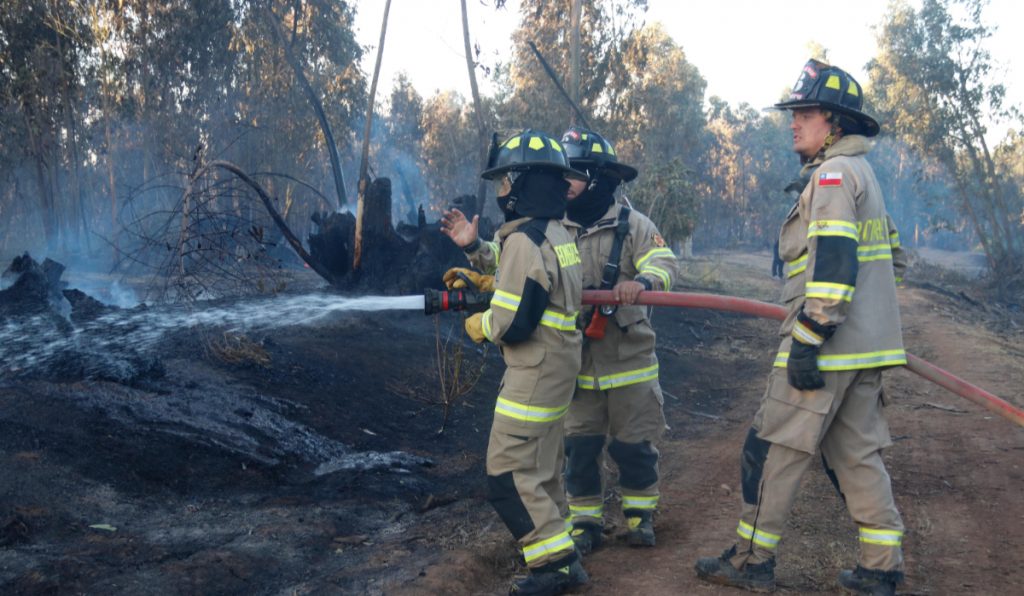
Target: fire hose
437	301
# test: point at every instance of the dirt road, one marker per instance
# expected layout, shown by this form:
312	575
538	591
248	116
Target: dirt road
92	504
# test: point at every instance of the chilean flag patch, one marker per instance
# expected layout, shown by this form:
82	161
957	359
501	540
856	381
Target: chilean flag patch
830	179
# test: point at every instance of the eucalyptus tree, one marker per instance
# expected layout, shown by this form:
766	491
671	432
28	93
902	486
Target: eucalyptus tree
937	85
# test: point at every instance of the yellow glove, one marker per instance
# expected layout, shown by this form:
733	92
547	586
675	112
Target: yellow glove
475	327
483	283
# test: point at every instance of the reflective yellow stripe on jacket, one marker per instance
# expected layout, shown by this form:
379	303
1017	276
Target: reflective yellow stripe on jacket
852	361
550	318
643	266
829	227
630	377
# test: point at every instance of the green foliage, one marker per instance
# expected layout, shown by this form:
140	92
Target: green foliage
934	84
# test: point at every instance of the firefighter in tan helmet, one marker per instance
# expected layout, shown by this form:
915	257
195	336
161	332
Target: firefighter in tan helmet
843	328
532	317
618	402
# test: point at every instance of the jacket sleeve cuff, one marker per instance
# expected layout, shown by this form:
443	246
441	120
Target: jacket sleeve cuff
472	247
646	283
808	331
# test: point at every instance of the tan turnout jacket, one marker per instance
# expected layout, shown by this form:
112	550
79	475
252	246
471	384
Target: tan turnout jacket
843	258
532	318
626	353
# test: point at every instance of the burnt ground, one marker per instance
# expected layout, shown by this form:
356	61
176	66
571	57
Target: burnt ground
99	495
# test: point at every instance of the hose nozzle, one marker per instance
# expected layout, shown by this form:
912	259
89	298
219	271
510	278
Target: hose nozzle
435	301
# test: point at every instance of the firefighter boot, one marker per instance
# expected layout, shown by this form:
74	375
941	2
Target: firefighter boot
551	579
870	582
755	578
587	537
641	528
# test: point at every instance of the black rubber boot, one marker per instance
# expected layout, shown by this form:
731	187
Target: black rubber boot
587	537
641	528
551	579
756	578
870	582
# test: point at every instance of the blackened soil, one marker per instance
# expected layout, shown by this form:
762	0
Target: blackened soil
94	501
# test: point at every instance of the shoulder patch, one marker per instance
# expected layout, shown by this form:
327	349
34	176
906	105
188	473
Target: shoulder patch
534	230
830	179
659	241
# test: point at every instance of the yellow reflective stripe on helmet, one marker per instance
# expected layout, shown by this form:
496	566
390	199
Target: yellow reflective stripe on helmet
833	82
828	290
556	544
586	382
852	88
485	325
881	537
505	300
852	361
654	252
874	252
833	227
555	145
525	413
596	148
806	335
760	538
661	274
595	511
568	254
557	320
512	143
639	502
536	143
797	266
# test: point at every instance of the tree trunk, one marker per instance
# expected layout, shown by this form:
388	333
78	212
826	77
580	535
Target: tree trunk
574	54
478	111
314	100
363	165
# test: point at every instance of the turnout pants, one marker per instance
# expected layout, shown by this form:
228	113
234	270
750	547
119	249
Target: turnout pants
525	487
634	419
846	421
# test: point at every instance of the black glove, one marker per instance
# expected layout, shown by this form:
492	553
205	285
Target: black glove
803	367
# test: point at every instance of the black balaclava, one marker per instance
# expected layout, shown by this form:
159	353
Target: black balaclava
536	193
593	202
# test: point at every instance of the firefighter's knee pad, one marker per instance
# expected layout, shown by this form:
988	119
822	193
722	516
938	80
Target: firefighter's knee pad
582	473
638	463
755	451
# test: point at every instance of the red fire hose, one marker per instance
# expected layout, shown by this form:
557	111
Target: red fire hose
772	311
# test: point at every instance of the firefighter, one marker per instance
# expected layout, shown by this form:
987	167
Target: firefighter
532	318
618	401
843	328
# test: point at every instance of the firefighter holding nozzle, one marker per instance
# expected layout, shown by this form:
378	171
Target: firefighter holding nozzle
532	317
842	258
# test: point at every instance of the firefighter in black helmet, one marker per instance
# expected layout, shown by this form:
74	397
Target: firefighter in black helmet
618	401
532	318
842	258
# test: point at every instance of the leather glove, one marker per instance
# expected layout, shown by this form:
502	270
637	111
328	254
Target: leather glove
475	327
454	281
802	367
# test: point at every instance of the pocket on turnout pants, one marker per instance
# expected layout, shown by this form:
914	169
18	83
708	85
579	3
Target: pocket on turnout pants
792	417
